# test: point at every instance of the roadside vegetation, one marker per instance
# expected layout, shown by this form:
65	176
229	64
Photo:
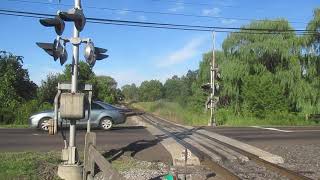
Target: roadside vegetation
266	79
29	165
20	97
176	113
44	165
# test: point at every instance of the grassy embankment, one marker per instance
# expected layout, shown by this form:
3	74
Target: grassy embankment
43	165
28	165
14	125
176	113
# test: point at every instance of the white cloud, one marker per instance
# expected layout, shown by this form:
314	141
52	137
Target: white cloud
185	53
228	21
122	12
142	18
211	12
178	7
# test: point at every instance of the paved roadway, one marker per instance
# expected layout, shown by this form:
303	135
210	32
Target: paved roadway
135	140
274	135
35	140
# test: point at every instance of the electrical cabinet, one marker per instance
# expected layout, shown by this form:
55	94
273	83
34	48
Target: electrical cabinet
72	106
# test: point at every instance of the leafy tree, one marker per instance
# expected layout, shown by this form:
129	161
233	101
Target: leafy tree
151	90
174	88
85	73
310	62
48	88
257	54
130	92
263	94
16	86
106	89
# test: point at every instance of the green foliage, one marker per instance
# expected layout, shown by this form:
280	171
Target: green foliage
262	95
28	165
176	89
106	89
48	88
175	112
25	110
150	90
130	92
16	87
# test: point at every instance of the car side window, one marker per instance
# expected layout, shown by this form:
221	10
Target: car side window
95	106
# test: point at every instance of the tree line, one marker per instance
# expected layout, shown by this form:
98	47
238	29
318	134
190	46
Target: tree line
20	97
262	74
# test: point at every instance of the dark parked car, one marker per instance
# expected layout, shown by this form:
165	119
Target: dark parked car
103	115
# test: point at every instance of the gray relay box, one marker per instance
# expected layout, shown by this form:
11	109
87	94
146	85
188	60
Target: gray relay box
72	106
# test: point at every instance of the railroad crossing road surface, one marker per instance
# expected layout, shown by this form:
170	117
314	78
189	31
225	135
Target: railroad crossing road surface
12	139
262	136
133	139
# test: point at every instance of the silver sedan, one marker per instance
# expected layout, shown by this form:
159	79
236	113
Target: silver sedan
102	116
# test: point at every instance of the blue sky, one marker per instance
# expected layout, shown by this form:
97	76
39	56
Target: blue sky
137	54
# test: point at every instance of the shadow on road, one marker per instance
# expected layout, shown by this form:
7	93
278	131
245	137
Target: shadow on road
126	127
132	148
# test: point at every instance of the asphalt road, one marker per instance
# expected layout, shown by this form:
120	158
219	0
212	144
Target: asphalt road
141	144
135	140
34	140
274	135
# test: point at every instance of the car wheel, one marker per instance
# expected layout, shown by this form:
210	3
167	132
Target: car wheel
43	124
106	124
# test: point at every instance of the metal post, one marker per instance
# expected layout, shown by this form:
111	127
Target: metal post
74	89
212	121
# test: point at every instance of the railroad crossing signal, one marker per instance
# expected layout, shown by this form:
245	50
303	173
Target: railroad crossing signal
56	50
206	87
55	22
76	15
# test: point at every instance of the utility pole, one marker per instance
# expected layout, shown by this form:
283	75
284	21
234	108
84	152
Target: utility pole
212	120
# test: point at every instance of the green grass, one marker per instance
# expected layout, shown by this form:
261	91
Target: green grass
14	125
174	112
285	119
224	117
28	165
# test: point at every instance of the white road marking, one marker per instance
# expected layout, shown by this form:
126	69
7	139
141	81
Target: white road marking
310	130
36	134
272	129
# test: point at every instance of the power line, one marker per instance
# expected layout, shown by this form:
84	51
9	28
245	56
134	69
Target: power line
154	12
160	25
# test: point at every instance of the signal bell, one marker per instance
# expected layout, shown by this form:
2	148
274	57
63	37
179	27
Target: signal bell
75	15
55	22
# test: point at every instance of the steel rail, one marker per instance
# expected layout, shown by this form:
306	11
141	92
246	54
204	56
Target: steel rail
204	158
271	166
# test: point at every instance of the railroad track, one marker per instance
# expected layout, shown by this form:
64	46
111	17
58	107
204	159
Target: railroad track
221	157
